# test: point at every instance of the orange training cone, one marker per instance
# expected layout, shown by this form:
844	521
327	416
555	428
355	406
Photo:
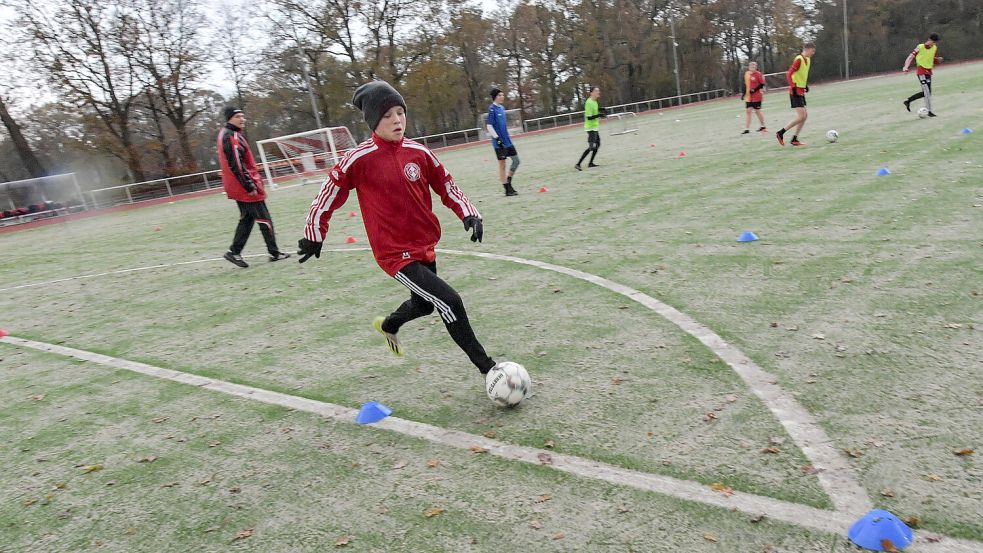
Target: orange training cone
2	333
543	189
651	145
352	214
682	154
350	240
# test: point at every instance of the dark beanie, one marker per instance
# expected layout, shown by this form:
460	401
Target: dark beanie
229	111
375	99
495	92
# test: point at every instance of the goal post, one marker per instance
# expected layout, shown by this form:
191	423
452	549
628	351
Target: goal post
38	198
303	157
776	81
513	123
622	123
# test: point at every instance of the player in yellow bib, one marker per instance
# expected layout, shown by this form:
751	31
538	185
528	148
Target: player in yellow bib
798	85
925	57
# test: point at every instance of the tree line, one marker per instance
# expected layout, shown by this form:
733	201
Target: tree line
128	104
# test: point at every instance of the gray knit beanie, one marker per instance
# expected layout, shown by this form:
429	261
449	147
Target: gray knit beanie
375	99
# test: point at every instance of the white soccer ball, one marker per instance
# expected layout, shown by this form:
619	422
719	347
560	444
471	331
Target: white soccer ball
922	112
507	384
832	135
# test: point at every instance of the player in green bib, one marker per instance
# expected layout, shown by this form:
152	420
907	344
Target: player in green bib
592	114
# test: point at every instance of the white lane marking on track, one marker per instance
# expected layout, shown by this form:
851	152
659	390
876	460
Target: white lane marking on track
836	476
792	513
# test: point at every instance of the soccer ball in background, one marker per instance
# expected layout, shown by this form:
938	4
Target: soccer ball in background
832	136
507	384
922	112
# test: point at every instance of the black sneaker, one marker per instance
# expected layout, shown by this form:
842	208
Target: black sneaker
235	259
509	191
746	132
279	256
578	167
930	114
762	129
592	165
907	105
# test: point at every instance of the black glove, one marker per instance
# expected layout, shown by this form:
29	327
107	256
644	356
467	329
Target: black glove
250	187
807	89
604	112
306	248
473	222
499	144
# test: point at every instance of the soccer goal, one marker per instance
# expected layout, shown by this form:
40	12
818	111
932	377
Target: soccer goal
23	201
776	81
513	123
622	123
304	157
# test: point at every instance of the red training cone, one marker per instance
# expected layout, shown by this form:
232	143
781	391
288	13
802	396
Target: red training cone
350	240
543	189
352	214
3	333
682	154
651	145
157	229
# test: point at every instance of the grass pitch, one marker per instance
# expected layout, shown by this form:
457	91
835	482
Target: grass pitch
862	298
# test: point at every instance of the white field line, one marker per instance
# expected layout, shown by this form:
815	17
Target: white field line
834	522
835	475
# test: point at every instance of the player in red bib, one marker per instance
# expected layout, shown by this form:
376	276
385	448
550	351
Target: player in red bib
754	85
393	177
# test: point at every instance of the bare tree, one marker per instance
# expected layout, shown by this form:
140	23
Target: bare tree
79	45
24	151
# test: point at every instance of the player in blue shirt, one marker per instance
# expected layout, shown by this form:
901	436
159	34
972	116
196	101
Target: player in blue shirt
499	133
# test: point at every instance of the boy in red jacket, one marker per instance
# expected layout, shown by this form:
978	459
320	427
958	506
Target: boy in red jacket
393	177
240	177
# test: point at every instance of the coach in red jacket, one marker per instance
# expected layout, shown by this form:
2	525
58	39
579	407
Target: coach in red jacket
393	177
240	177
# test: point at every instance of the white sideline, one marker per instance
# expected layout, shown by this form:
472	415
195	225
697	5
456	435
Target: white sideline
834	522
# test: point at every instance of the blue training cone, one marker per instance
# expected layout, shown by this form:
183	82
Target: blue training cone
883	172
967	130
371	412
875	528
747	236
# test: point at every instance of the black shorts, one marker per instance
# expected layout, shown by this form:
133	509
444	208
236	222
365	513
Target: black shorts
594	137
797	101
502	153
752	105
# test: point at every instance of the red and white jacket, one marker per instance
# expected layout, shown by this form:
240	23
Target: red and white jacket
240	176
393	182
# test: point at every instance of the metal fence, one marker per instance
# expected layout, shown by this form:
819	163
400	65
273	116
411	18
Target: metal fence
454	138
575	117
153	189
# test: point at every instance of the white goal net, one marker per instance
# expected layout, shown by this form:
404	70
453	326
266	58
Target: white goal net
303	157
23	201
776	81
622	123
513	122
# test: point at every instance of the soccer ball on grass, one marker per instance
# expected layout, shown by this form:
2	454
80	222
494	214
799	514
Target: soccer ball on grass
832	136
507	384
922	112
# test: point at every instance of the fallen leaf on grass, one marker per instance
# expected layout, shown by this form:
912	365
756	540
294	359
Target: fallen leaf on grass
490	434
722	488
559	536
757	518
342	541
549	444
888	545
545	458
730	398
543	498
818	336
478	449
776	440
933	477
623	509
911	520
963	452
933	538
158	420
887	492
810	469
710	536
59	486
29	502
148	459
243	534
535	524
616	381
212	529
433	463
400	464
38	397
710	417
950	325
91	468
433	511
215	444
169	484
855	453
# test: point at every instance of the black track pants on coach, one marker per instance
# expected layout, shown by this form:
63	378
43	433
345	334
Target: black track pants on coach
249	213
429	292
